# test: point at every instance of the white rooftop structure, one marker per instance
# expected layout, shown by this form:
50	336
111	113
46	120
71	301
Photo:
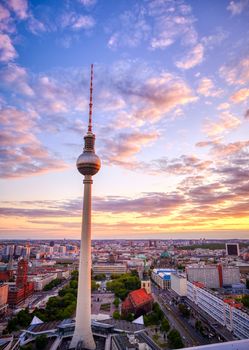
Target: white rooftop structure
139	320
36	320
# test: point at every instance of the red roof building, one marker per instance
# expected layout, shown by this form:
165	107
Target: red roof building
138	302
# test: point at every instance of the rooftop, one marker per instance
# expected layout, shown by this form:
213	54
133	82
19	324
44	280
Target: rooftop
139	297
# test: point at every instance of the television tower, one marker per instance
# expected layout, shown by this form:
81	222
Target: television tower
88	165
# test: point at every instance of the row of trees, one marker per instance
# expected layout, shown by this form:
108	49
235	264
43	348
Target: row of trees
157	318
52	284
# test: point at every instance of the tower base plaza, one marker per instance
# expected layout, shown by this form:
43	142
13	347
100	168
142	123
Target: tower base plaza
108	334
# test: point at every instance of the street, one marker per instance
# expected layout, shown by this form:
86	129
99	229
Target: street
174	321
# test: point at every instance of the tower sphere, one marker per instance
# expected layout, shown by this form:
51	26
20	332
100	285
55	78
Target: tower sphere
88	163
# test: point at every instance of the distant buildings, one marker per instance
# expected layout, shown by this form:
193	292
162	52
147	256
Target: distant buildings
226	311
109	268
162	277
6	273
3	297
138	302
213	276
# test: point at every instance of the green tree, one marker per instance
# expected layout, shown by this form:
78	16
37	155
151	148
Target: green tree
129	317
41	342
24	318
12	325
52	284
245	300
94	285
116	302
165	326
116	315
199	326
27	347
73	284
100	277
75	275
175	340
155	317
247	283
184	310
123	284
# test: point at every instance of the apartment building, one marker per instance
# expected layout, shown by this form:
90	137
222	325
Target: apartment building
226	311
213	276
109	268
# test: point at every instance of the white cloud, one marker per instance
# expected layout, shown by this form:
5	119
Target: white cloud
20	7
17	78
7	50
77	22
83	22
192	59
157	23
6	22
36	26
161	43
236	7
88	3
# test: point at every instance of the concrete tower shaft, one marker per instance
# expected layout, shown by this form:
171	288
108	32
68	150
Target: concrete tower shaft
88	164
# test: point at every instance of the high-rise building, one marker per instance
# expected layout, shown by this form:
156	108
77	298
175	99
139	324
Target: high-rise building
232	249
227	311
9	250
88	164
213	276
23	289
22	273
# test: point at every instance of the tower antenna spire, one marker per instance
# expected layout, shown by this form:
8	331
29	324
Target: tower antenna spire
91	101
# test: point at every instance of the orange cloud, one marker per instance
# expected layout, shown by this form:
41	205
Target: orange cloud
206	88
236	74
225	123
240	96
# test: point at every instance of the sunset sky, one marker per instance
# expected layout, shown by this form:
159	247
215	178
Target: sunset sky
170	114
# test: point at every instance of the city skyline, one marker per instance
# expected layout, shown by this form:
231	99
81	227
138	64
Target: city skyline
170	111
